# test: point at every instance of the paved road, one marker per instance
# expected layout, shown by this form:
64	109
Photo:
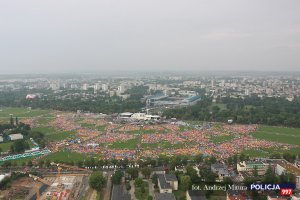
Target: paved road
108	186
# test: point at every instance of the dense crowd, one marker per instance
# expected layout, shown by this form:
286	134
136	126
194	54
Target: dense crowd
191	141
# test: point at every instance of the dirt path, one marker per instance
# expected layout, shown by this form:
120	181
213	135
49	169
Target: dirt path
94	195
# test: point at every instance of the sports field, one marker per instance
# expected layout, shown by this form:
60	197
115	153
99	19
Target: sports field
278	134
23	112
65	156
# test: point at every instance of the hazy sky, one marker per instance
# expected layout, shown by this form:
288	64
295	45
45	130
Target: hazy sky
94	35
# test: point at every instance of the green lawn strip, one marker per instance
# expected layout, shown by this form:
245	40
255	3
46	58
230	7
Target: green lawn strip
277	137
221	138
220	105
256	153
86	125
162	144
45	120
55	135
65	156
267	152
280	130
61	135
21	161
101	128
129	144
5	146
45	130
179	194
138	191
22	112
185	128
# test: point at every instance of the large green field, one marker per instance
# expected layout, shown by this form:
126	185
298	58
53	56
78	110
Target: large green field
65	156
162	144
5	146
129	144
55	135
278	134
23	112
221	138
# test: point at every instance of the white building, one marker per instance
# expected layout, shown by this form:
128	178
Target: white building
17	136
144	116
96	87
2	176
1	139
85	86
104	87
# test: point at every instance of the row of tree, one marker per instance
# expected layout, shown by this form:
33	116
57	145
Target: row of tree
251	110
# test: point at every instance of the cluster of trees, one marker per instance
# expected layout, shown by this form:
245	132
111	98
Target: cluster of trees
268	110
19	146
97	180
101	104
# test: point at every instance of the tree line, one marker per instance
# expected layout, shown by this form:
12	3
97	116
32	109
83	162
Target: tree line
250	110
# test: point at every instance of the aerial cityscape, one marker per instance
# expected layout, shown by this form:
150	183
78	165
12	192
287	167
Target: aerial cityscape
150	100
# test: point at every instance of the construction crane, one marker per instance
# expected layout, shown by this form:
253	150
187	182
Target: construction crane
61	166
36	187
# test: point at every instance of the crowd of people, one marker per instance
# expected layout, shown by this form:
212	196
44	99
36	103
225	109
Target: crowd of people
182	141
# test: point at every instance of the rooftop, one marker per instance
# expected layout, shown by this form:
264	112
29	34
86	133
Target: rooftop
162	181
196	195
164	196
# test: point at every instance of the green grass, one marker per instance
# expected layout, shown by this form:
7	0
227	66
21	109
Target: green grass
61	135
185	128
86	125
45	130
162	144
101	128
179	194
139	195
281	130
221	138
22	112
278	134
222	106
267	152
129	144
65	156
54	135
44	120
5	146
256	153
20	161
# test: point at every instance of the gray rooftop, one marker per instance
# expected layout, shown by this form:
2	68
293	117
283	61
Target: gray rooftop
197	195
162	181
171	177
164	196
217	166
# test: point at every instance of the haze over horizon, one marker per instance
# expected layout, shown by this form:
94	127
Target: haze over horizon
92	36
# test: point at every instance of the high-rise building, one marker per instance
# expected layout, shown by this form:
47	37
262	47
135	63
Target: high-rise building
85	86
104	87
